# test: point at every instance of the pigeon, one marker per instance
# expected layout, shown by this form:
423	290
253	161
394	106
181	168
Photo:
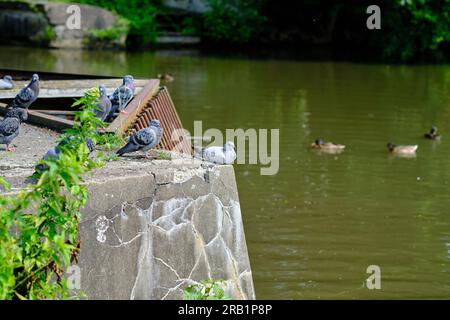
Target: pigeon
217	155
145	139
6	83
27	95
122	96
103	105
53	152
9	126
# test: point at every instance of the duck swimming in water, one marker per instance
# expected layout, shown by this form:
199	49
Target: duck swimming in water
167	77
327	146
432	134
402	150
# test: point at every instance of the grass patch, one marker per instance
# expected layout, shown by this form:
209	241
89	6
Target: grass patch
164	155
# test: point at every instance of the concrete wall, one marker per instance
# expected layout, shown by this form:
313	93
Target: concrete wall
152	228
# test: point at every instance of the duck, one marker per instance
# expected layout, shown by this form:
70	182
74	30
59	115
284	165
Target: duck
6	83
402	150
327	146
432	134
166	77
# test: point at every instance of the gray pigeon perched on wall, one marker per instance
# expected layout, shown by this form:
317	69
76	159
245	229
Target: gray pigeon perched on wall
10	125
27	95
218	155
145	139
103	105
53	152
122	96
6	83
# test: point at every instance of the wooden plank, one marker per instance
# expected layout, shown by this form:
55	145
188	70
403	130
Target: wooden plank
122	122
49	121
56	112
43	119
69	88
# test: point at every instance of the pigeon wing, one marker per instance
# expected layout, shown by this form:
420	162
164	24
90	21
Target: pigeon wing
115	95
215	155
24	96
9	126
124	96
102	109
145	137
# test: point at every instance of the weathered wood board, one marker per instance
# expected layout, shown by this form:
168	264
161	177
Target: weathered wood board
54	119
44	119
123	121
69	88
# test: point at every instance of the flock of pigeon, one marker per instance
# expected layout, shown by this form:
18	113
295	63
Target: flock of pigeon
147	138
401	150
106	108
17	111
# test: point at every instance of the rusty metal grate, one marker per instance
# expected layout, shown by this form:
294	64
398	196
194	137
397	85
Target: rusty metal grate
161	107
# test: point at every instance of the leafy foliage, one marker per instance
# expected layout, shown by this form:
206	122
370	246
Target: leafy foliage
206	290
99	37
39	225
110	141
416	27
233	21
139	13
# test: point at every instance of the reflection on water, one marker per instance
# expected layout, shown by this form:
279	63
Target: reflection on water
315	227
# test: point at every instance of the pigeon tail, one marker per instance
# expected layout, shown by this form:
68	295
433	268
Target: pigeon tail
129	147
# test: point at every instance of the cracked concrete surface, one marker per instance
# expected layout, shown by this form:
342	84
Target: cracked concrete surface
151	228
31	144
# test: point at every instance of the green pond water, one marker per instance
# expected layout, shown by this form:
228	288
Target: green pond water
314	228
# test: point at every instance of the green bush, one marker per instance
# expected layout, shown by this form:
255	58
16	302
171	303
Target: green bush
120	28
39	225
234	21
140	14
415	28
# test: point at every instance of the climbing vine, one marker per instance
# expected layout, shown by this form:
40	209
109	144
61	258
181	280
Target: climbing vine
39	225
